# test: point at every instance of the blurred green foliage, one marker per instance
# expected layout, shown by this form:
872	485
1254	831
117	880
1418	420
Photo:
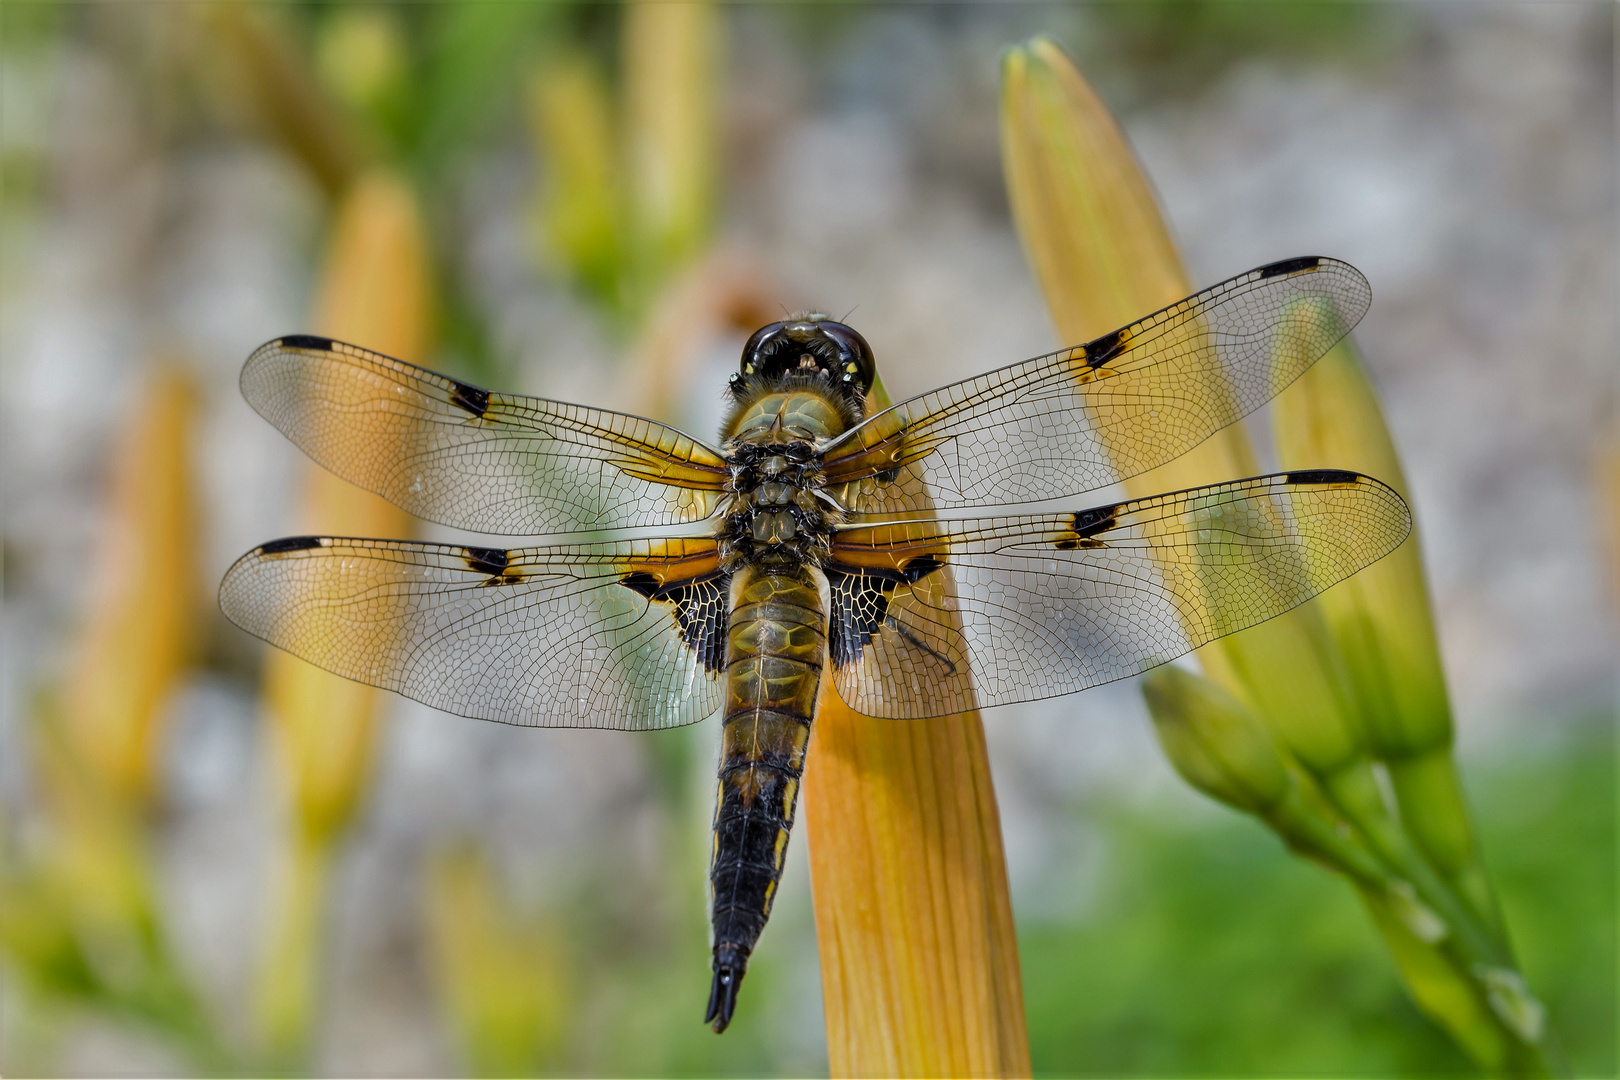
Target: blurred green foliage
1212	951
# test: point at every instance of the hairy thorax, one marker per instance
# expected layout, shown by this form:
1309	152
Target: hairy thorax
777	515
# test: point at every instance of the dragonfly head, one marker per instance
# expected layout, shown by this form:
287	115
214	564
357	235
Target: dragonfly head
809	345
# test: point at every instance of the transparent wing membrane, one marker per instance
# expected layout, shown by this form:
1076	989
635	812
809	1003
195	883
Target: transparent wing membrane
1085	417
628	635
1053	604
495	463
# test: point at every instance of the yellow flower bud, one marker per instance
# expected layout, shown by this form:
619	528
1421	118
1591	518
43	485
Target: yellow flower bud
361	55
1221	748
1380	618
1090	224
375	291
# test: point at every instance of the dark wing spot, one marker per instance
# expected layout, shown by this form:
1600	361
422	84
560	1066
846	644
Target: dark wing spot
1105	348
920	567
643	583
1096	520
486	560
1066	545
289	543
888	476
700	610
1321	476
306	341
469	397
1290	266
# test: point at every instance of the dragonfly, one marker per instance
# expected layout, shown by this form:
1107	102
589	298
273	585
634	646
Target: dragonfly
897	557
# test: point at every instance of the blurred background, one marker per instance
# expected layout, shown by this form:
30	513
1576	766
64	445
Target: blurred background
598	203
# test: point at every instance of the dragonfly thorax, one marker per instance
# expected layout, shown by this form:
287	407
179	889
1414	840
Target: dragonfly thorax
776	516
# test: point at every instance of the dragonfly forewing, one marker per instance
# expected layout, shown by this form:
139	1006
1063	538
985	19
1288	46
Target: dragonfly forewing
496	463
1085	417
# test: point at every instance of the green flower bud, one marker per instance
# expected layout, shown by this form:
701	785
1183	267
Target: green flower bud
1221	748
1382	626
1380	619
1215	743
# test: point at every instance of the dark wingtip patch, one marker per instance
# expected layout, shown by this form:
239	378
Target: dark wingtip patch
1105	348
1322	476
289	543
1290	266
469	397
307	341
490	561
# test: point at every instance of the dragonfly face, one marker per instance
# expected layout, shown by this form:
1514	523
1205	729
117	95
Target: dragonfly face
809	343
821	541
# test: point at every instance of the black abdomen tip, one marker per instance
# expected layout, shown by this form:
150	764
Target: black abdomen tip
723	996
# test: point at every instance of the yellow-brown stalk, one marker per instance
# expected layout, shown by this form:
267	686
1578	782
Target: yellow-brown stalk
265	67
919	962
140	634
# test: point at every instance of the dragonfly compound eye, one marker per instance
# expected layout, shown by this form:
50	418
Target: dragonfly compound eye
811	343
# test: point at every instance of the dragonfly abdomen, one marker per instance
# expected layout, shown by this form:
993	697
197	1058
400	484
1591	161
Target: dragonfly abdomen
775	649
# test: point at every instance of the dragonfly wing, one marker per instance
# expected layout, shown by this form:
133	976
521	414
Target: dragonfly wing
495	463
929	617
1085	417
629	635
